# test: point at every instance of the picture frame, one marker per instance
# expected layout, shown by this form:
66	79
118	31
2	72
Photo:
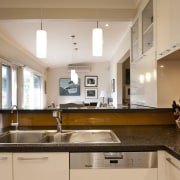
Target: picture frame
91	93
68	88
113	85
91	81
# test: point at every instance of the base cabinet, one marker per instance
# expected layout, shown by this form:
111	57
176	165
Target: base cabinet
6	166
172	168
114	174
41	166
168	167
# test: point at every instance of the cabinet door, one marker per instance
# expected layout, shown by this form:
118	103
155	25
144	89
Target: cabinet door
114	174
162	173
41	166
135	47
6	166
175	24
163	27
147	27
172	168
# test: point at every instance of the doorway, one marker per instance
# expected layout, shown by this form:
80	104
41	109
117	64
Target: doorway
126	81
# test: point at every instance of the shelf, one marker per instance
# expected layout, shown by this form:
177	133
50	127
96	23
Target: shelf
148	28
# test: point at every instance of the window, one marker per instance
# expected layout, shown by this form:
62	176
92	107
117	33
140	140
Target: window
6	87
31	90
14	86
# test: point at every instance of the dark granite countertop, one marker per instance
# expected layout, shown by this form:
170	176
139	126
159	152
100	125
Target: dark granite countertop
120	108
133	138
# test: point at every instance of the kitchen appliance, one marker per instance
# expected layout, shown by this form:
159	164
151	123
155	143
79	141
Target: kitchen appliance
113	165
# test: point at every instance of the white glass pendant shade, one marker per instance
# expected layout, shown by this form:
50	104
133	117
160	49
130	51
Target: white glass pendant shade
74	76
76	79
41	44
97	41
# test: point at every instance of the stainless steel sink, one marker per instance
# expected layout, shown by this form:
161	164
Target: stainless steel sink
22	137
85	136
66	136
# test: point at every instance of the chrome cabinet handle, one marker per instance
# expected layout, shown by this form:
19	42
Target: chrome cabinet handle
172	163
174	46
3	158
113	156
33	158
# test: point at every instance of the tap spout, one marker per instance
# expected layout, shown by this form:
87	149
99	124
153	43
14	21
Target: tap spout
57	116
17	118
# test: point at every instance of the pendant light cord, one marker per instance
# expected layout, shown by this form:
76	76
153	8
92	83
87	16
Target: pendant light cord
41	24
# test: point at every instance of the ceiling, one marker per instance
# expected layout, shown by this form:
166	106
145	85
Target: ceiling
20	19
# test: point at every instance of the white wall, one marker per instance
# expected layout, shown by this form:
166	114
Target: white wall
121	54
168	82
54	74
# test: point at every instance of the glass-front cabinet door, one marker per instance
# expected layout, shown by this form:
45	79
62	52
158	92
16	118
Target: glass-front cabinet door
135	41
147	27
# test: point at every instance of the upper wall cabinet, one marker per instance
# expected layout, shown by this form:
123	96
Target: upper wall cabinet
142	32
135	41
168	27
147	27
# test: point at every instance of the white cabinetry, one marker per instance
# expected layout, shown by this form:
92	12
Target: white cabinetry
142	32
172	168
6	166
169	167
41	166
135	42
147	27
168	27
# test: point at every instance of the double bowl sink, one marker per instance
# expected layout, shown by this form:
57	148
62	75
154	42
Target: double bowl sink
52	136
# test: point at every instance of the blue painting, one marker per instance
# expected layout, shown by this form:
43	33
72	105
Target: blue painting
68	88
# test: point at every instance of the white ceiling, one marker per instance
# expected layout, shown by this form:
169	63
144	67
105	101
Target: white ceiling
22	32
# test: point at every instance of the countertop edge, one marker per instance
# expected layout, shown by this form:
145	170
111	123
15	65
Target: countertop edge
83	110
17	148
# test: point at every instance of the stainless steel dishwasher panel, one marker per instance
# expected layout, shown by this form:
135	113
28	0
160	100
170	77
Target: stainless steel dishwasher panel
113	160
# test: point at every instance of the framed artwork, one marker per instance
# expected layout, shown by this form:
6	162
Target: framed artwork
91	81
113	85
68	87
91	93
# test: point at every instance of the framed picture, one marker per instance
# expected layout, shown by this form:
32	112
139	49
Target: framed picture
68	87
91	81
113	85
91	93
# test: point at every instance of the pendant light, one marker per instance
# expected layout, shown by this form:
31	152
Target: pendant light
41	43
97	41
74	75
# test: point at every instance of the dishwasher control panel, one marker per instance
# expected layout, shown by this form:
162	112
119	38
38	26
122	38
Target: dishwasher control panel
113	160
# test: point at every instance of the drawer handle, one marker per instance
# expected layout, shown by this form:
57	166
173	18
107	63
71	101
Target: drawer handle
174	46
111	156
30	159
3	158
173	164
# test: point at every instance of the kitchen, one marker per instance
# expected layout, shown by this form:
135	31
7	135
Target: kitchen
143	140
